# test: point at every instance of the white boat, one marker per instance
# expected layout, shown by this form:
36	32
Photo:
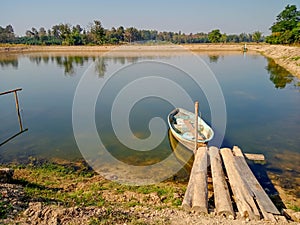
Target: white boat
181	123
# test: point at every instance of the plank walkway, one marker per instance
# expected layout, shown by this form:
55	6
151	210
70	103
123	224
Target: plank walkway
233	184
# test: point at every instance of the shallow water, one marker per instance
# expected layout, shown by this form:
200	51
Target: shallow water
262	103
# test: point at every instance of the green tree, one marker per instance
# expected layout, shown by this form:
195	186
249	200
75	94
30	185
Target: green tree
214	36
256	36
286	28
7	34
287	19
223	38
132	34
98	33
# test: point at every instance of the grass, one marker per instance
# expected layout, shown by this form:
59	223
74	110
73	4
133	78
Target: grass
295	208
79	186
295	58
4	208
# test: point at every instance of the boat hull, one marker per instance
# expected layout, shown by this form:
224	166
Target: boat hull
181	125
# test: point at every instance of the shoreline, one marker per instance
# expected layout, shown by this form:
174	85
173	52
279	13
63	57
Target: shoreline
286	56
85	197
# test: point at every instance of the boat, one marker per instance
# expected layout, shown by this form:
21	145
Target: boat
184	156
181	123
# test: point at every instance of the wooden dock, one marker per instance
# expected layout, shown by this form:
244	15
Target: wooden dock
236	191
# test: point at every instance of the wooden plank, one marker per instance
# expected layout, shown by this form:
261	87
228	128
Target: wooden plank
187	199
254	157
200	195
221	193
264	202
193	199
242	194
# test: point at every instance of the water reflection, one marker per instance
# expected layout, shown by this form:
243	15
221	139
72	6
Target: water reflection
278	75
9	60
213	58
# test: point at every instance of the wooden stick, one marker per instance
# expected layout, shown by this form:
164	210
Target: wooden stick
12	137
196	125
18	110
14	90
221	192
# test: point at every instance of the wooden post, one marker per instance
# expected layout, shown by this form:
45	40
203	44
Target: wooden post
243	196
196	125
18	110
221	193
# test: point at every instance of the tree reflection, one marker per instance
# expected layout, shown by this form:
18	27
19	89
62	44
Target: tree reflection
8	60
69	63
278	75
213	58
100	66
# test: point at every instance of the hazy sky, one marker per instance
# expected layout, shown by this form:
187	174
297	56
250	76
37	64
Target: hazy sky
230	16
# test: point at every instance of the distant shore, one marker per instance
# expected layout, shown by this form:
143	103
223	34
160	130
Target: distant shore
286	56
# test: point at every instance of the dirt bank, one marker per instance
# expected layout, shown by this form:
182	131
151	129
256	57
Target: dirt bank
286	56
52	194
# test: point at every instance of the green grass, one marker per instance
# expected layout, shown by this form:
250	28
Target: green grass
295	208
74	186
4	208
295	58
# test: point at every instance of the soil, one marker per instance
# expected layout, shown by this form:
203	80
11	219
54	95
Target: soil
24	210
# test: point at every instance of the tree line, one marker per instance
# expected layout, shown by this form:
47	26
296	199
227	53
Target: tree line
96	34
286	30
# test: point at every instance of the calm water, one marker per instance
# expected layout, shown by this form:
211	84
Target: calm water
262	103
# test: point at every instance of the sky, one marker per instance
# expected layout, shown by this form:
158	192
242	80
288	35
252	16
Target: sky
187	16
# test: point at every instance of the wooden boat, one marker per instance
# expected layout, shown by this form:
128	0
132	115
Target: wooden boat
181	123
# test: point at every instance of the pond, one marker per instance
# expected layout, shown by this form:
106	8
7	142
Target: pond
261	99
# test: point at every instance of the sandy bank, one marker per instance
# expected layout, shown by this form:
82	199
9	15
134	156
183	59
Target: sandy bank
286	56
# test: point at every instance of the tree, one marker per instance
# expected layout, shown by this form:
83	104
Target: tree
120	33
287	19
214	36
42	34
256	36
132	34
286	28
7	34
223	38
98	33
